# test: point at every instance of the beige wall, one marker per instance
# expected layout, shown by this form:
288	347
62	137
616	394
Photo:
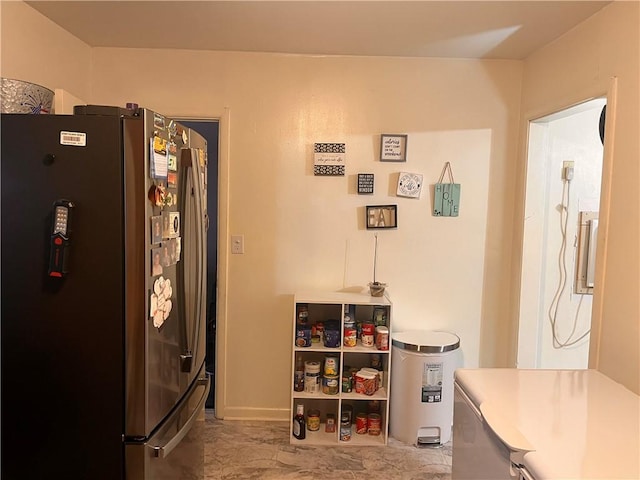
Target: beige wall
34	49
579	66
304	232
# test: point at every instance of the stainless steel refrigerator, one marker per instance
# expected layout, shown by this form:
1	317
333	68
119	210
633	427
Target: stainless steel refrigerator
103	296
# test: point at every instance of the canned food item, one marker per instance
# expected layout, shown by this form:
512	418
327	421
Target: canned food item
330	425
347	385
345	433
374	423
332	338
313	420
349	313
330	384
373	406
315	338
303	336
376	361
320	331
361	423
350	333
379	316
330	365
368	331
312	377
303	313
382	338
347	414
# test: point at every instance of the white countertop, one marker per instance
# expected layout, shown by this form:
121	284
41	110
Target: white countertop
574	424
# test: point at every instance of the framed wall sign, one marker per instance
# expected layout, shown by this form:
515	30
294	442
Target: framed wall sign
365	183
328	159
393	148
409	185
381	216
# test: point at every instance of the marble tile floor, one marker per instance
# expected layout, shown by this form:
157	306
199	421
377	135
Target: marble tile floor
248	450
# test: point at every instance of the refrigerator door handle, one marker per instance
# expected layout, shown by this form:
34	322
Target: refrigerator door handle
165	450
190	161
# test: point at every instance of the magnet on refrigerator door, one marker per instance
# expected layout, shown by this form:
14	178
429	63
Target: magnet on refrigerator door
172	158
173	255
166	225
172	162
160	145
172	179
156	262
172	129
160	303
165	257
174	224
157	195
156	229
158	121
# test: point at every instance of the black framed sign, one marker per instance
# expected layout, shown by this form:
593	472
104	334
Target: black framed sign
365	183
381	216
393	148
328	159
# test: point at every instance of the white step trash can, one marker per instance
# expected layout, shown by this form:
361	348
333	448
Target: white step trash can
422	366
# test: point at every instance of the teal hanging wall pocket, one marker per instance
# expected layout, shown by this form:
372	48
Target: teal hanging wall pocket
446	196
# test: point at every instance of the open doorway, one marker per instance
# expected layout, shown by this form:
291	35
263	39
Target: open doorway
564	176
210	130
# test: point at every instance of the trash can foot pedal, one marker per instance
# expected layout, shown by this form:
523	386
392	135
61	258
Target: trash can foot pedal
431	441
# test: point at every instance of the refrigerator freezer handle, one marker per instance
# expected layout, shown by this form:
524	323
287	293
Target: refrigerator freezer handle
190	162
165	450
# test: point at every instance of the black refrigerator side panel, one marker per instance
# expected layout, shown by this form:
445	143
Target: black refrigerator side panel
136	268
62	338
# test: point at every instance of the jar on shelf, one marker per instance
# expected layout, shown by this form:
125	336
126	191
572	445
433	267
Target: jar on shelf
379	316
330	423
313	420
312	377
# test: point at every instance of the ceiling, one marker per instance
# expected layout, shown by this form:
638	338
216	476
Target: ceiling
457	29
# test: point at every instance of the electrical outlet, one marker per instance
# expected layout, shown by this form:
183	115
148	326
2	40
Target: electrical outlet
567	170
237	244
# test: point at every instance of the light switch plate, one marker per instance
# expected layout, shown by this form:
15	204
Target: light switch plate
237	244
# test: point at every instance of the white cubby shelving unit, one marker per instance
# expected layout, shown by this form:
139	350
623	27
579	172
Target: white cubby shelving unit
321	307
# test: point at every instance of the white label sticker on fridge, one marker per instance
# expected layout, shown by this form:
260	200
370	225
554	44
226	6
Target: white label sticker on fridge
432	382
76	139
